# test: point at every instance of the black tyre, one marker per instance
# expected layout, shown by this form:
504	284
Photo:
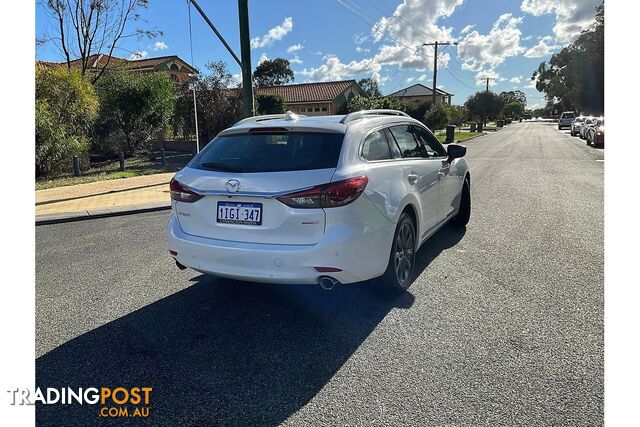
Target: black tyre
464	212
400	270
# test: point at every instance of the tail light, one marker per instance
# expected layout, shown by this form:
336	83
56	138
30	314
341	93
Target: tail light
181	194
330	195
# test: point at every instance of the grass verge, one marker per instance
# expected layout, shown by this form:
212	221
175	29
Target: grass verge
460	136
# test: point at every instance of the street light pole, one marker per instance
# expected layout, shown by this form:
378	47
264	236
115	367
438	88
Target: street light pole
245	52
435	65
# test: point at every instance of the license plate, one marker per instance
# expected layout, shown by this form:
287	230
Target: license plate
239	213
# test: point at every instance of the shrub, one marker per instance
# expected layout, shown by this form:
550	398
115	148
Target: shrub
66	106
358	103
437	117
218	106
270	103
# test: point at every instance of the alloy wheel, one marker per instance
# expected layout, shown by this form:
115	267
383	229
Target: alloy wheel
403	253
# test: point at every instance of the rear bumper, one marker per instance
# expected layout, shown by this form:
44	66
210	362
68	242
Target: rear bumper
361	251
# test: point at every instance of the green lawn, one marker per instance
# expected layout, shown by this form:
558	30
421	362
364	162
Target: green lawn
459	136
135	166
102	176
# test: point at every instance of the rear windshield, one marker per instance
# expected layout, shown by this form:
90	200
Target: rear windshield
270	152
568	115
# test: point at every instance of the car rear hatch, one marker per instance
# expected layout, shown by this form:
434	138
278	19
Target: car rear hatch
240	176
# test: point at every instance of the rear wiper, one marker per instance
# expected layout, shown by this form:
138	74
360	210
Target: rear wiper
220	167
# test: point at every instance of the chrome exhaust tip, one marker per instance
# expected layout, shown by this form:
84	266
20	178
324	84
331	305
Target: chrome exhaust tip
327	283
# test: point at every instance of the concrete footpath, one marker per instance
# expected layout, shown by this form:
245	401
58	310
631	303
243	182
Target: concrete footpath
103	198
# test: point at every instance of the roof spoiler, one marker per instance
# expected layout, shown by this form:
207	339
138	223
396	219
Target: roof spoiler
289	115
362	113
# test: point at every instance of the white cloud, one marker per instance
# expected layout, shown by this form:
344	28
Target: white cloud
410	79
424	78
544	47
236	79
572	16
274	34
263	58
295	48
516	79
494	77
532	84
362	49
360	38
467	29
139	54
479	51
422	14
334	69
295	60
160	46
412	14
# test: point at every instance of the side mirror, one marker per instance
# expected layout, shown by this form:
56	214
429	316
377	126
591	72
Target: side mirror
455	151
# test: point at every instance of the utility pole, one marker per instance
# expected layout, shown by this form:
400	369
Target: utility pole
435	65
489	78
245	50
245	53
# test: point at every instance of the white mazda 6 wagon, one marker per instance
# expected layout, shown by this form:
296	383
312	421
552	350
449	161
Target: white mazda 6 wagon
328	200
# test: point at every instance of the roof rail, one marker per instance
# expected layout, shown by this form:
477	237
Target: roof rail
289	115
362	113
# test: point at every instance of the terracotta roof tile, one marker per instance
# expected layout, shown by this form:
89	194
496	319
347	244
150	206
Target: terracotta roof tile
99	60
308	92
418	90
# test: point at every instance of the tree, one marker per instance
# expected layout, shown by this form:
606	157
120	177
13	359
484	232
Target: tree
514	96
513	109
136	105
370	86
358	103
484	104
574	77
437	117
270	103
85	27
66	106
218	106
274	72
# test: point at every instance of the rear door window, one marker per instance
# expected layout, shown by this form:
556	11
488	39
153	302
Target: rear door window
408	145
568	115
375	147
270	152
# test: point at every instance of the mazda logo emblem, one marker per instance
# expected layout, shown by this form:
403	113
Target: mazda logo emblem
233	186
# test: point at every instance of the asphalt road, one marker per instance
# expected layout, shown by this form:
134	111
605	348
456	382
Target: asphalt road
504	325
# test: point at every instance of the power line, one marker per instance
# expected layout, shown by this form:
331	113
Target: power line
367	21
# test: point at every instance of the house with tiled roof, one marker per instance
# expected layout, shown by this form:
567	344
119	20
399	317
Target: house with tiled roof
420	93
177	68
314	99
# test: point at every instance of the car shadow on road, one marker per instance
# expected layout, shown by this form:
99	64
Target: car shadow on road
223	352
447	237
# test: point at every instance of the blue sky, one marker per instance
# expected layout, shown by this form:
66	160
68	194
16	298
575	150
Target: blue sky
342	39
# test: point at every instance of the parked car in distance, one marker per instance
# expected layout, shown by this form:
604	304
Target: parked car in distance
566	119
575	126
589	121
595	133
325	199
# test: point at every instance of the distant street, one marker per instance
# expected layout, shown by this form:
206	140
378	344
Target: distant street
504	325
